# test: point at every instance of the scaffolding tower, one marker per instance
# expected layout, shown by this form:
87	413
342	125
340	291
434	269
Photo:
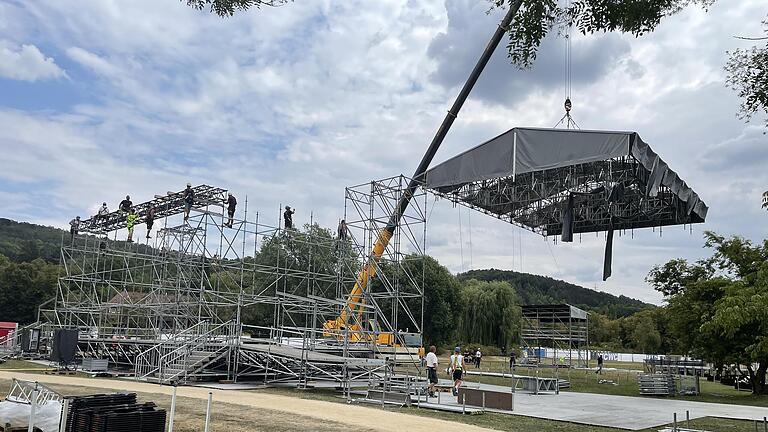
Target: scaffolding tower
209	299
562	328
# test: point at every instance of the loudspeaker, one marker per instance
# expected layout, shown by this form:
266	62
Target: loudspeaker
64	346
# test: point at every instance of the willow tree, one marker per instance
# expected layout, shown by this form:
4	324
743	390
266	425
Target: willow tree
491	314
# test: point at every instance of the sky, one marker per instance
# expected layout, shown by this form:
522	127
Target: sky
289	105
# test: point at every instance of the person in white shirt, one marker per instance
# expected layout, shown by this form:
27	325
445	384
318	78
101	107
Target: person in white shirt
432	369
478	356
457	369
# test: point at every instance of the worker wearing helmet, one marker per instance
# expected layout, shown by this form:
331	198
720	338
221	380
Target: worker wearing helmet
74	227
288	217
231	206
126	204
189	200
149	219
103	212
457	369
130	222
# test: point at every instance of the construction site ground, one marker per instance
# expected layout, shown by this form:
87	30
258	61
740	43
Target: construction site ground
287	409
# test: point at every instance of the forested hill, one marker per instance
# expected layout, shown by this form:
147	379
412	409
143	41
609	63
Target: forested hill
21	241
534	289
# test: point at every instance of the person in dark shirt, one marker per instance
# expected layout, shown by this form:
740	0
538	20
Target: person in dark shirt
126	204
231	206
342	230
189	200
288	217
150	219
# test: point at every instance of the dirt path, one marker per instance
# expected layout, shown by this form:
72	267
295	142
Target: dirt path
353	415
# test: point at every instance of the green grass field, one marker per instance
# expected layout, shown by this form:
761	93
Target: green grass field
624	382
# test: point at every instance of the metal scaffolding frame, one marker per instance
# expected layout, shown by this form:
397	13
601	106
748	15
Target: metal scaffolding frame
176	310
562	327
536	201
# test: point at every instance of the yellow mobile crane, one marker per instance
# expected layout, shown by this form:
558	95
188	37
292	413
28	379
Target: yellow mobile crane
342	325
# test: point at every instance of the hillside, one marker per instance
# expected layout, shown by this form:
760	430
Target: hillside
24	242
21	241
534	289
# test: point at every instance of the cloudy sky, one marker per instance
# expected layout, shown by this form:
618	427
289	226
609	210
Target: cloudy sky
99	98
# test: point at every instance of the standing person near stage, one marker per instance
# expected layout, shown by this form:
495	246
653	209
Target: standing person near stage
478	356
457	369
432	369
74	227
512	360
130	222
126	204
189	200
150	219
231	206
288	217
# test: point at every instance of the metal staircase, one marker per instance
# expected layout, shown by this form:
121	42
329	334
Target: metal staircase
186	355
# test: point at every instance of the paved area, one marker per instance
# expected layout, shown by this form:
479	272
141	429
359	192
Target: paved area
352	415
625	412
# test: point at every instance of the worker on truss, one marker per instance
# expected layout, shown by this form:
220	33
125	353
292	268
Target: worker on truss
231	206
150	219
342	230
130	222
74	227
189	200
288	217
103	213
126	205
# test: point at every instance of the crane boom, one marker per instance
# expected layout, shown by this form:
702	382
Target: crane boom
355	300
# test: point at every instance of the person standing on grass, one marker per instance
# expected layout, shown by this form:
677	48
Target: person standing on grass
599	364
512	360
432	369
457	369
478	356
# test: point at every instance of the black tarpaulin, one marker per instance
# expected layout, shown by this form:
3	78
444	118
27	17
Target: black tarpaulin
522	150
608	255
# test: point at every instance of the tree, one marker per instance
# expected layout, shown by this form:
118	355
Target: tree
491	314
23	286
229	7
536	19
721	314
748	75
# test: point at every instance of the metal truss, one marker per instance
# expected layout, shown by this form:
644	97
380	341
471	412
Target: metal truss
176	309
165	205
537	200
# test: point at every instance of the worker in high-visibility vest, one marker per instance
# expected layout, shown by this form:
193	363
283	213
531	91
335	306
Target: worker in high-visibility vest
130	223
457	369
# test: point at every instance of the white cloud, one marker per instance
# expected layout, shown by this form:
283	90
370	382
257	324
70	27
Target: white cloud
290	105
26	63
